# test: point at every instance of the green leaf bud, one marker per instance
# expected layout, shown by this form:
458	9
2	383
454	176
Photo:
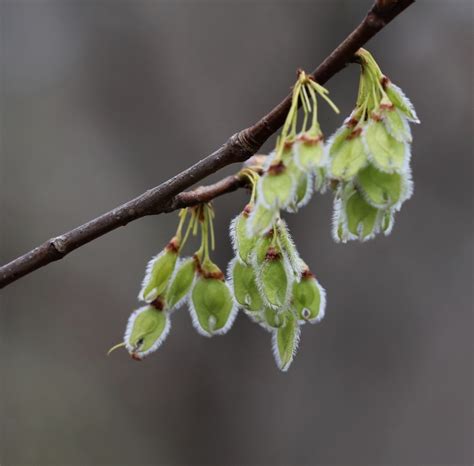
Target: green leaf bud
276	187
274	278
243	282
347	154
211	302
361	217
400	100
385	152
181	282
285	341
146	330
158	272
309	151
242	242
309	298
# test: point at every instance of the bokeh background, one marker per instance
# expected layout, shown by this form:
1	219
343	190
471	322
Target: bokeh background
101	100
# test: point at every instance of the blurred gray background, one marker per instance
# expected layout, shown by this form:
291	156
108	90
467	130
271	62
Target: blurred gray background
101	100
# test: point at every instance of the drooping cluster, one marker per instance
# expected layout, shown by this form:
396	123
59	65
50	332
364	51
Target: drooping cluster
366	162
369	157
170	281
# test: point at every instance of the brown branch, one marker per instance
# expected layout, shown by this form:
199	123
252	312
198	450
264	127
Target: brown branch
238	148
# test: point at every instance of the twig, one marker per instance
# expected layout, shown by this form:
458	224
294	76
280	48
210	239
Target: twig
242	145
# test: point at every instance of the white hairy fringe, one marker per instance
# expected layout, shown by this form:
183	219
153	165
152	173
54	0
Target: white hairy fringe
251	229
406	126
290	278
129	329
183	300
233	233
268	160
276	353
297	264
337	216
322	304
389	229
278	205
195	320
146	279
407	102
294	206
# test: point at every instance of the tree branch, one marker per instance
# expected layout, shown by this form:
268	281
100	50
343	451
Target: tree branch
169	195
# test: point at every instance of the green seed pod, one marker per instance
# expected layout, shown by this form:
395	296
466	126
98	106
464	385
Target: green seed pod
242	242
362	219
309	299
385	152
158	272
274	278
309	151
276	187
272	319
261	220
396	124
285	341
347	154
288	246
211	303
387	221
381	189
303	191
146	330
400	100
242	277
181	282
261	248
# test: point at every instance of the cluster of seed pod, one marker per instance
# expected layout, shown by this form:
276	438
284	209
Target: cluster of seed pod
369	157
366	162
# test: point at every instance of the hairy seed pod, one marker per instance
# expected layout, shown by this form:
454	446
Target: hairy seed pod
242	242
309	151
304	188
347	154
385	152
288	246
146	330
272	318
261	220
181	282
362	219
285	340
381	189
400	100
261	248
244	284
211	303
309	298
158	272
276	187
274	278
396	124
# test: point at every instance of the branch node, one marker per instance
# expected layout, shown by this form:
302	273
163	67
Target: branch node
59	243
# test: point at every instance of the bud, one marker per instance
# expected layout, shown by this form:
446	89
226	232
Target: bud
396	124
385	152
309	298
211	303
158	272
181	282
361	219
347	154
261	220
289	248
146	330
242	242
285	341
242	278
261	248
400	100
276	187
274	278
272	319
309	151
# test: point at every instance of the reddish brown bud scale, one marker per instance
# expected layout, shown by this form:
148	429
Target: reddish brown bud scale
384	81
306	274
159	303
135	357
247	210
173	245
356	133
352	122
276	168
310	140
272	254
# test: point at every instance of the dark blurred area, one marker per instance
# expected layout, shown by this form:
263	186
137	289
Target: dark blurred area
101	100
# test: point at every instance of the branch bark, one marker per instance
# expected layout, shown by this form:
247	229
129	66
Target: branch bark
169	195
